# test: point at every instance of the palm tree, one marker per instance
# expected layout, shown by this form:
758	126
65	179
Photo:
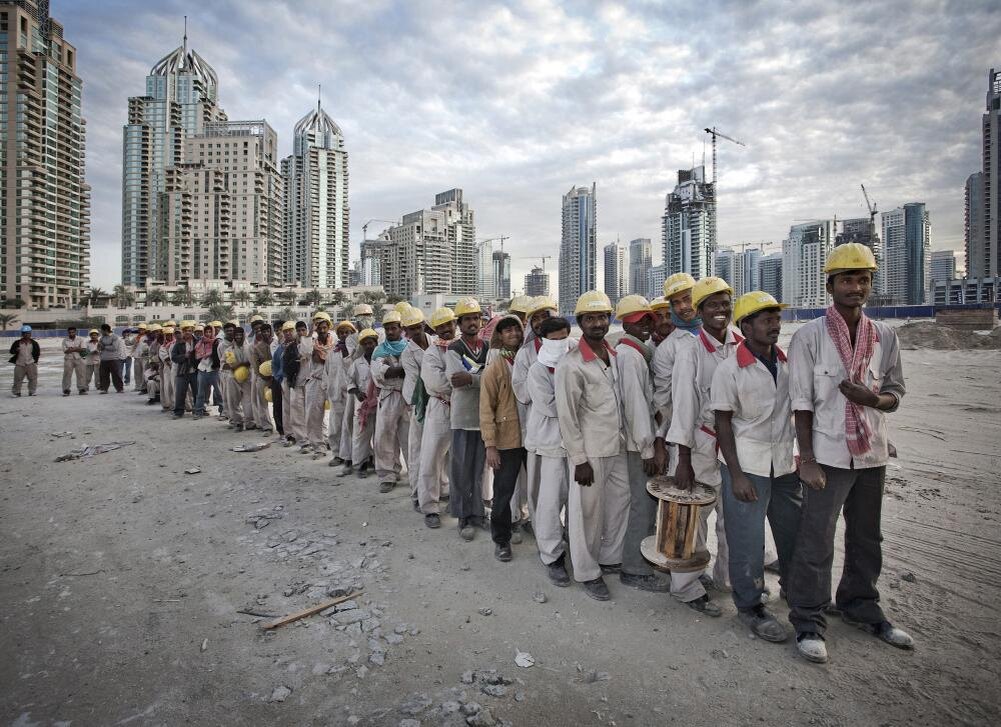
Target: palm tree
394	299
242	297
156	297
94	295
7	319
264	298
123	298
337	299
182	296
220	312
313	297
288	297
287	314
212	297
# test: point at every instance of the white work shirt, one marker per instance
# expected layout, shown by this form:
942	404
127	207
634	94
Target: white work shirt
542	433
587	401
433	375
527	355
411	359
762	413
76	342
662	369
636	390
815	371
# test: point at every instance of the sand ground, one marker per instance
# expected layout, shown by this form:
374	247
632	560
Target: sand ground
122	577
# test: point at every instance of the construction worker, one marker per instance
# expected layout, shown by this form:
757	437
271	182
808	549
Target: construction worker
365	412
414	393
692	429
337	362
260	354
312	368
392	421
111	366
364	318
544	443
661	308
207	355
844	375
289	369
645	451
684	318
436	439
750	397
24	354
590	415
74	350
520	305
152	371
218	399
93	357
129	338
139	347
464	363
166	370
185	367
239	355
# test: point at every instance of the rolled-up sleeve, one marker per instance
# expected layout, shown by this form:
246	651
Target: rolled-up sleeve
893	378
801	362
685	409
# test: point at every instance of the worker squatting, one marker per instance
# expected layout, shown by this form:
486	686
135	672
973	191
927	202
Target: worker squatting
562	435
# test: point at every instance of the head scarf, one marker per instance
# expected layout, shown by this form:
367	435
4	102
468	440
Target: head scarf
691	326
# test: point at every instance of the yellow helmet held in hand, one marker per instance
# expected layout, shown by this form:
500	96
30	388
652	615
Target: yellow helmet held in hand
593	301
392	317
242	373
367	333
413	317
542	302
520	304
467	306
230	358
659	302
441	316
750	303
850	256
677	283
264	369
268	396
709	286
631	305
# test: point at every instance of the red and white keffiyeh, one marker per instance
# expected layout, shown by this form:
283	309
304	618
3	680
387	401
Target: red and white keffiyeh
856	362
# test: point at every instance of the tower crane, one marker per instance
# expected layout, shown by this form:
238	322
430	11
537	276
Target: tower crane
714	132
543	258
364	228
872	214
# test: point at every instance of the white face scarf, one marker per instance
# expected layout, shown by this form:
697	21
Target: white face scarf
366	321
552	351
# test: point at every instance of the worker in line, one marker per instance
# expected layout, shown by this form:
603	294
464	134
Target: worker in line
93	357
111	354
207	355
359	377
152	372
364	318
844	375
414	393
661	308
240	361
313	352
646	455
74	350
260	354
337	362
130	338
166	370
139	351
185	367
293	418
226	375
392	421
692	429
252	415
538	310
500	427
277	377
464	363
24	354
750	397
686	322
544	443
217	398
590	415
436	439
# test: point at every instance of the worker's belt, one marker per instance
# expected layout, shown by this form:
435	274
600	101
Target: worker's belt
446	402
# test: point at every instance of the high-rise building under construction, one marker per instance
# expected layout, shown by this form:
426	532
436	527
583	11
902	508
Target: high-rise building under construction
688	226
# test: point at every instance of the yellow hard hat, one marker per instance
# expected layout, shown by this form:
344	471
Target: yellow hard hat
322	315
413	317
659	302
342	324
171	322
216	324
541	302
168	330
367	333
93	331
520	304
593	301
363	309
392	317
750	303
155	328
288	326
242	373
466	306
441	316
677	283
199	326
141	327
264	369
326	405
402	307
630	305
268	396
850	256
230	358
233	322
187	324
255	318
708	286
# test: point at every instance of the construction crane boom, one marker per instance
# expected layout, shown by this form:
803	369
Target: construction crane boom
543	258
714	132
872	213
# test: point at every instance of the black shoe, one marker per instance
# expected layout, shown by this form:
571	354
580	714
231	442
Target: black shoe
502	552
83	391
66	392
703	605
612	568
432	520
466	530
150	402
386	486
417	505
336	461
597	589
557	573
650	582
527	528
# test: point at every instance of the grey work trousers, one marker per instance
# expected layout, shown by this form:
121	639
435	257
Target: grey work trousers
466	480
860	494
642	518
780	499
74	365
436	439
549	502
597	517
22	372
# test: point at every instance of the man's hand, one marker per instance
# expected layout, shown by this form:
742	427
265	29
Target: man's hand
395	372
583	474
660	455
811	475
859	394
493	458
684	475
461	378
650	466
743	488
360	395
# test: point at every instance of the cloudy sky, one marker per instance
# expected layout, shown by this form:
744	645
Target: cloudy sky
516	102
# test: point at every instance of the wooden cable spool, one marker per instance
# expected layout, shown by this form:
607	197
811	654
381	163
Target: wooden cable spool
673	547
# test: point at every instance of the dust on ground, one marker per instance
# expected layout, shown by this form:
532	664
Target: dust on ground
928	334
135	593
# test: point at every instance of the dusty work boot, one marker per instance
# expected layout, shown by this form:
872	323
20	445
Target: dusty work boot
703	605
610	567
650	582
365	469
597	589
346	470
466	530
557	572
503	552
884	631
812	647
66	392
515	535
763	624
432	520
336	461
386	486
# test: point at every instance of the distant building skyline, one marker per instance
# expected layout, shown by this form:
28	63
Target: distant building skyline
804	253
578	245
537	282
615	271
640	261
502	274
688	225
907	250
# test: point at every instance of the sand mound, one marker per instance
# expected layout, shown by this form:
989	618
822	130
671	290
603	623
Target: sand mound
933	335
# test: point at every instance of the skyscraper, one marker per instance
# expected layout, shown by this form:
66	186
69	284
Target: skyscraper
181	99
985	260
578	245
316	225
974	231
486	282
724	260
688	227
770	272
45	230
615	271
537	282
943	265
803	255
640	261
656	276
461	232
502	274
907	249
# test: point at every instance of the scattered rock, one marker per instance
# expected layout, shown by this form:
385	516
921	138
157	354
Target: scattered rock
594	676
471	708
719	654
494	690
410	722
483	718
524	659
346	618
519	696
280	694
539	597
467	677
450	707
361	671
378	658
394	639
415	704
908	576
486	611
